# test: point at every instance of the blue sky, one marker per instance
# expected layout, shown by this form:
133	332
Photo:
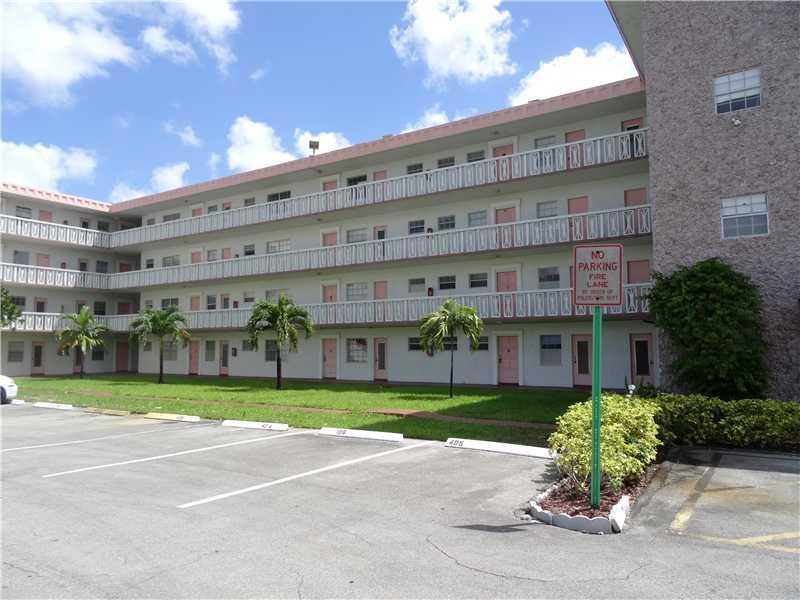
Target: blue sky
135	98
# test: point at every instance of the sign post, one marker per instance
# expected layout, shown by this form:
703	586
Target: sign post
597	274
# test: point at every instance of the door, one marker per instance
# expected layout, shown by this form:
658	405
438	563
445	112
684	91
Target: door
327	186
381	350
380	290
224	349
582	360
197	211
329	358
46	215
42	260
632	124
505	215
638	271
329	293
37	366
226	253
503	166
194	357
121	357
636	197
507	359
125	267
194	302
329	238
40	305
574	159
379	175
124	308
641	359
506	281
196	256
578	225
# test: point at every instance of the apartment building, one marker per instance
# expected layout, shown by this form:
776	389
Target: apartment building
369	238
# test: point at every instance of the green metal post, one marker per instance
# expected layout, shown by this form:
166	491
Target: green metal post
597	370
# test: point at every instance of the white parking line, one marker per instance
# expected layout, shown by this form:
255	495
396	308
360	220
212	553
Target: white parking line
105	437
171	454
262	486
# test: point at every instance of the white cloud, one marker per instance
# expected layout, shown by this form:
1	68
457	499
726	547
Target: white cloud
165	177
186	134
464	39
50	47
213	163
253	145
580	69
159	42
257	74
432	116
210	22
328	141
46	166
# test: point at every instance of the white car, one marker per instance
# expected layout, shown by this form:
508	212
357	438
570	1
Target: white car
8	389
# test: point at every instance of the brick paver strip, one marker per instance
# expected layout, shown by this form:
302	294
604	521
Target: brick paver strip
423	414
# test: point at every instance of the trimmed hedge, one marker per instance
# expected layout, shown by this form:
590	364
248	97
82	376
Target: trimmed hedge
703	420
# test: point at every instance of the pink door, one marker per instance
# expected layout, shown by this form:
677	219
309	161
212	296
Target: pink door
329	238
197	211
37	363
503	150
381	350
506	281
46	215
641	358
42	260
578	225
574	161
226	205
226	253
224	358
630	124
379	175
194	303
196	256
503	166
124	308
329	359
582	360
380	290
638	271
329	293
636	197
121	357
505	215
507	359
328	185
194	357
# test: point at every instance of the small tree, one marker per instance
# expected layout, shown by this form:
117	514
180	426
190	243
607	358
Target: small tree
446	322
712	317
286	320
83	334
9	312
162	325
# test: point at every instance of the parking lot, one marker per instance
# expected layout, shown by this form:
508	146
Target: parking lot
104	506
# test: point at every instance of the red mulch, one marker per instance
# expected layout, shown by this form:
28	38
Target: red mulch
569	501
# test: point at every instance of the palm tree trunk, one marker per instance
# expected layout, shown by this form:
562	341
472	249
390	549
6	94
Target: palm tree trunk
161	361
279	376
82	359
451	371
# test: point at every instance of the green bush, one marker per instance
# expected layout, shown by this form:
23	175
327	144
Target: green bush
696	419
628	434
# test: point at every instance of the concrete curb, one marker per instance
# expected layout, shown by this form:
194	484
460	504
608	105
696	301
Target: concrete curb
362	433
55	405
171	417
516	449
15	401
613	523
255	425
106	411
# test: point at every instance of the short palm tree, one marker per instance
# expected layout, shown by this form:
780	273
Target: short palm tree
162	325
82	333
286	320
445	322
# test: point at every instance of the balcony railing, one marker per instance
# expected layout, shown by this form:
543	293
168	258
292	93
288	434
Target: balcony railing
53	232
47	276
614	223
526	305
585	153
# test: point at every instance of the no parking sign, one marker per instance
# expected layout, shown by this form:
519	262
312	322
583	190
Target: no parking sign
597	270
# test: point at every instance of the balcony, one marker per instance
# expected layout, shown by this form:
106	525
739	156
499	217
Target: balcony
607	224
53	232
592	152
47	276
508	306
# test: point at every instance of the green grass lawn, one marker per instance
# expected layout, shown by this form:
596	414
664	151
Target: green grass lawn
256	399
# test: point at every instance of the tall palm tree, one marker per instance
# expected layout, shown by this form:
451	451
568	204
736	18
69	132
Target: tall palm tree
165	325
286	320
445	322
83	333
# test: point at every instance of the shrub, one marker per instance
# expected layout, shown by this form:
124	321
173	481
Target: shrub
628	435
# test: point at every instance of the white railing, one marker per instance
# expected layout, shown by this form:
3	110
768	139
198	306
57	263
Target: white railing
585	153
47	276
53	232
526	305
613	223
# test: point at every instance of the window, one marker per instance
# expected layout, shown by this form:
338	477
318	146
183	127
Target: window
211	350
22	258
211	255
416	285
270	350
477	218
149	263
148	347
450	343
414	344
150	221
167	302
447	282
247	346
171	217
84	224
24	212
356	235
549	350
100	354
211	302
476	155
248	297
16	352
744	216
249	249
357	291
479	280
736	91
275	196
356	350
18	301
445	162
544	142
103	226
415	168
547	209
549	278
274	295
99	307
356	180
148	304
170	351
483	342
212	208
83	265
448	222
101	266
278	246
249	202
416	227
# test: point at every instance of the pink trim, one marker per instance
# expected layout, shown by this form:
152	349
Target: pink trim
40	194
